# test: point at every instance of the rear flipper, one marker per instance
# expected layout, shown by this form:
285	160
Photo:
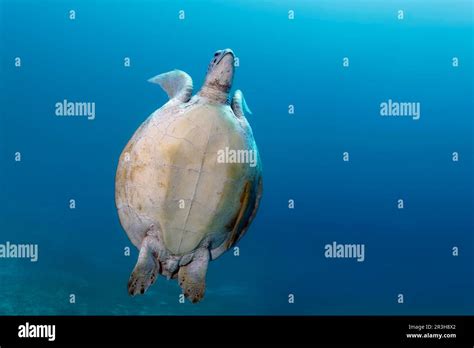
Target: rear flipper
192	277
147	268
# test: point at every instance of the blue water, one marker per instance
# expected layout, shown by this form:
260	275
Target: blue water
282	62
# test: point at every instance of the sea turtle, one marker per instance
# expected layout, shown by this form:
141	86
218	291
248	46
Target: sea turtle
189	181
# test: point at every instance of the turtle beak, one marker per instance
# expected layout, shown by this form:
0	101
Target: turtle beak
222	53
220	73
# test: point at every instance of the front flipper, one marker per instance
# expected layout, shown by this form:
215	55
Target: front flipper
192	277
177	84
147	268
239	106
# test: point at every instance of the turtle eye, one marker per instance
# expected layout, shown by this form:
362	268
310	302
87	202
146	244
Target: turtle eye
216	54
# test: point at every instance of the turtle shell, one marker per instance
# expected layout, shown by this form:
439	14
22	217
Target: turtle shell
177	173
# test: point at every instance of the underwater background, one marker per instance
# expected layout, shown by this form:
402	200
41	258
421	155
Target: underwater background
282	62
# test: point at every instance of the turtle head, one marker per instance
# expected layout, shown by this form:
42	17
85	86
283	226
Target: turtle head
220	74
